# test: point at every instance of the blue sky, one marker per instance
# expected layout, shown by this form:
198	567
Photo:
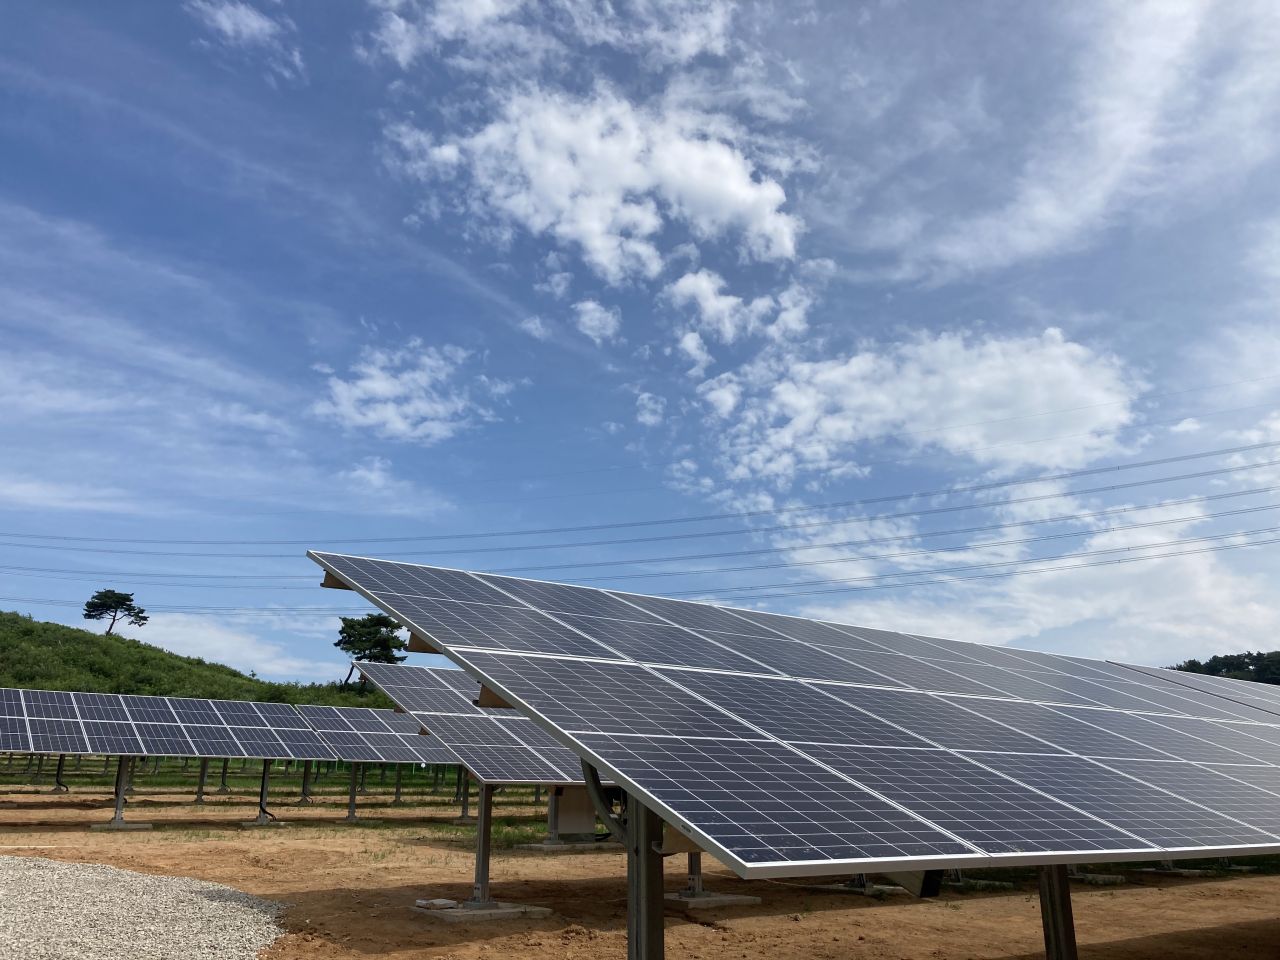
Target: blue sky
287	275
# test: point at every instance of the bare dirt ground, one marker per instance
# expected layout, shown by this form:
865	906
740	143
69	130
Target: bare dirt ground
349	890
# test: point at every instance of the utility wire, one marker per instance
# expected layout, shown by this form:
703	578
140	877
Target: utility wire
1015	573
667	521
694	535
749	591
167	580
342	611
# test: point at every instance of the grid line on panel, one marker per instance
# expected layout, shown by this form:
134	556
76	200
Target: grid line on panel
604	698
763	802
412	580
900	643
993	812
1158	817
663	644
1232	798
564	598
454	623
1063	731
793	711
1237	738
1148	733
1256	697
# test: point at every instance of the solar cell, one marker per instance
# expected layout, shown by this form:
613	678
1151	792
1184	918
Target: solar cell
411	580
696	616
492	626
793	711
942	721
796	659
11	702
663	643
237	713
50	704
107	736
1170	742
56	736
1153	815
149	709
213	741
1061	730
810	631
769	804
1231	737
495	751
194	711
164	740
907	644
983	808
1202	785
904	671
605	697
363	734
13	735
422	690
565	598
100	706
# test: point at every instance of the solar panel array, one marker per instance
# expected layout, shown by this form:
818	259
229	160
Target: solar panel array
495	745
794	746
51	721
365	734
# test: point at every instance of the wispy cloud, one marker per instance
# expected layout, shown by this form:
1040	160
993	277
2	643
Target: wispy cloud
240	27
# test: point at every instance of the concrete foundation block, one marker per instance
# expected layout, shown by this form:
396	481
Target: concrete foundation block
706	901
457	913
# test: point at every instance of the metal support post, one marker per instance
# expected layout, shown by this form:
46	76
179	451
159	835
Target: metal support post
128	786
351	796
436	771
203	779
58	785
118	816
264	815
693	888
364	770
480	898
39	768
78	759
553	816
222	783
106	765
645	903
155	767
1055	913
399	779
537	794
306	783
466	794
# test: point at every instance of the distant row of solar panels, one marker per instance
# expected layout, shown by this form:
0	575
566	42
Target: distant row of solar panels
792	746
50	721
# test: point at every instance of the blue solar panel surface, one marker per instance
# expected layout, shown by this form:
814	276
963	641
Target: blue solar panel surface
793	746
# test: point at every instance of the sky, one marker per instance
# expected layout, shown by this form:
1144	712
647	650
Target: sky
957	320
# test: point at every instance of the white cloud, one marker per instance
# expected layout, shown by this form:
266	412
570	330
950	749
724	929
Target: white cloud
605	176
596	321
494	36
222	640
536	327
719	314
949	392
240	26
693	347
1189	425
1170	100
414	393
650	409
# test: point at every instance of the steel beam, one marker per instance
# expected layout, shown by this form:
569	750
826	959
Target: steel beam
1055	913
222	783
480	898
645	902
351	794
58	785
204	778
118	816
306	783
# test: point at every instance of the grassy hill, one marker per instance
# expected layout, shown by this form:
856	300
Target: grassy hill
48	656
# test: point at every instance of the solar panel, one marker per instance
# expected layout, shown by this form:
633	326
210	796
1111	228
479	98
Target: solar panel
789	746
496	745
365	734
54	721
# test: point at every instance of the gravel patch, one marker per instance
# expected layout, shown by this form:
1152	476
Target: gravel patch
50	910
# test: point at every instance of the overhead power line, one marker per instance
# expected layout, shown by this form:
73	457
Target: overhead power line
752	591
691	535
669	521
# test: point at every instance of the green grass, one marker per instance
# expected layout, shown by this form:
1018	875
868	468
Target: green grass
49	656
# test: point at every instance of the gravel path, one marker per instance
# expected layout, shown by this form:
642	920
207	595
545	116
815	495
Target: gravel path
51	910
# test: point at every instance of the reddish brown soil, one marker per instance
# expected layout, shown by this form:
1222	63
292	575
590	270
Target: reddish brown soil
349	891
